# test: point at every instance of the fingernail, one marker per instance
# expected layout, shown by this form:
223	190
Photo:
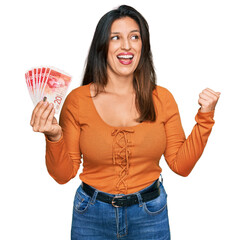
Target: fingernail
44	99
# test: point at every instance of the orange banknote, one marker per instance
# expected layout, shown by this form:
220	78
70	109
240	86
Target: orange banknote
47	82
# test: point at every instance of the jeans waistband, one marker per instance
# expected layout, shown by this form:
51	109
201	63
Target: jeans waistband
147	194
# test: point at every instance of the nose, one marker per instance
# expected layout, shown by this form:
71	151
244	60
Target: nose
125	44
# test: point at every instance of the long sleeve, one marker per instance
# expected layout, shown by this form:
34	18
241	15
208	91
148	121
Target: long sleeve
63	157
182	154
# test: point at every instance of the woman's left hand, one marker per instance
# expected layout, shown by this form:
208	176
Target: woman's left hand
208	100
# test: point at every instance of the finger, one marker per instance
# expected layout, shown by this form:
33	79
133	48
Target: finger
39	104
202	102
51	116
35	111
210	95
37	117
203	96
44	117
213	92
54	121
204	106
50	119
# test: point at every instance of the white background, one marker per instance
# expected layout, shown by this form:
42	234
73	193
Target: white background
195	44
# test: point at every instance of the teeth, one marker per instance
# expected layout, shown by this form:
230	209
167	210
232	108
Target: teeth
125	56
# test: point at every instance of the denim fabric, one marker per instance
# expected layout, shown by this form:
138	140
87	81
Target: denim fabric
96	220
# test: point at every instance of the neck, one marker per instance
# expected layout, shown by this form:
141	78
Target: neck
120	85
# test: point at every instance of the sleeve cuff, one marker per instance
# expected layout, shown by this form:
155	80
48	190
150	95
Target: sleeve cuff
53	142
205	117
205	114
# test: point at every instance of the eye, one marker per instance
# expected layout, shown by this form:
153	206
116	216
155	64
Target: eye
115	37
135	37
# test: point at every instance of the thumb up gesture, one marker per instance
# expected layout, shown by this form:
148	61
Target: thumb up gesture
208	100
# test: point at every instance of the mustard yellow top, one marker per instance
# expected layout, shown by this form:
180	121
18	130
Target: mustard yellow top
123	159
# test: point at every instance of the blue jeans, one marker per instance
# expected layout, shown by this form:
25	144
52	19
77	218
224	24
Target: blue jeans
97	220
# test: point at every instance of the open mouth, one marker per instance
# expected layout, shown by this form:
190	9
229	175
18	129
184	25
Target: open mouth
125	58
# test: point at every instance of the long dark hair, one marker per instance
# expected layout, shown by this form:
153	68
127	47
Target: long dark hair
144	76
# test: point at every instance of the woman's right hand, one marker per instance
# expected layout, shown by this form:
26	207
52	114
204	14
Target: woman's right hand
43	120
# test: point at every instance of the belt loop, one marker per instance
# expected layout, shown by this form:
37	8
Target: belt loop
161	178
139	199
94	196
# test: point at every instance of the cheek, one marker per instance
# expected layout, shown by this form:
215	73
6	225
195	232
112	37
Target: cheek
113	46
111	58
138	48
139	53
112	52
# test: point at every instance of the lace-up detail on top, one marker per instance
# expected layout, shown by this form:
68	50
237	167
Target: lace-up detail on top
120	155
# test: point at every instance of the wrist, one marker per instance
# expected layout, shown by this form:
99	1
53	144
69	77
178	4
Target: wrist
206	110
54	138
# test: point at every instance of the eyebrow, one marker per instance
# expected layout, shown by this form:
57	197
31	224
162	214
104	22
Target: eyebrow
130	32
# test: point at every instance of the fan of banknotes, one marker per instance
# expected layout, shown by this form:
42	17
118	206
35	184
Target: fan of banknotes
47	82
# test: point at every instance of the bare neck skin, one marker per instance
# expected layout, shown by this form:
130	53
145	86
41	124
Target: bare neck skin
119	85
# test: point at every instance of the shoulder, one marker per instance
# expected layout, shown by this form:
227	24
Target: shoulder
78	93
164	100
77	99
162	93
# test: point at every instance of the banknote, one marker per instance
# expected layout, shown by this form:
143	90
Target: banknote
47	82
30	84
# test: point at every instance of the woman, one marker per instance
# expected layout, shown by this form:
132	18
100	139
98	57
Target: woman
121	122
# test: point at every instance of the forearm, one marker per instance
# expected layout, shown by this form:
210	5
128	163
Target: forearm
58	161
186	155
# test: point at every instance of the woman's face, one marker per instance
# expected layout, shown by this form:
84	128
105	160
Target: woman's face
124	47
